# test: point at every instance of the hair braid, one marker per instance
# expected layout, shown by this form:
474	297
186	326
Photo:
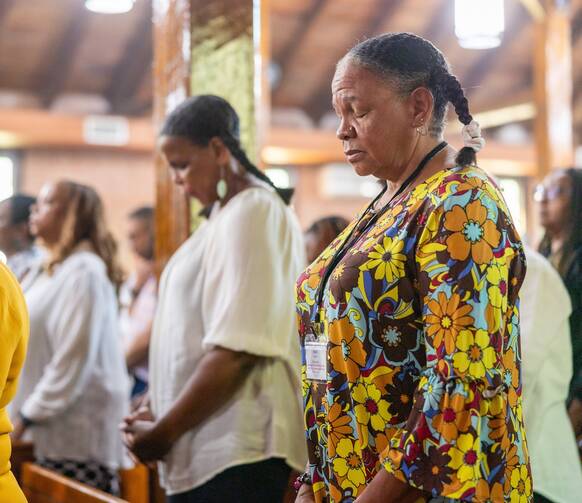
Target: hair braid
406	61
455	94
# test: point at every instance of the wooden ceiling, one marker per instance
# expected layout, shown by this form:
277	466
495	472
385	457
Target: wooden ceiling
50	48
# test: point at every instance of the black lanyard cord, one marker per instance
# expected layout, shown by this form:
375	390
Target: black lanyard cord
348	242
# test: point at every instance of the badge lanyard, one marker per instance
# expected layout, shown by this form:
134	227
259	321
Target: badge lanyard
354	234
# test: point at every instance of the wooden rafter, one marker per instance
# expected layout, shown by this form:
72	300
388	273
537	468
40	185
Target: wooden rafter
57	70
482	67
307	19
318	104
136	61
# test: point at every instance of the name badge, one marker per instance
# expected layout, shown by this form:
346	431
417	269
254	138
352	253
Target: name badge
316	359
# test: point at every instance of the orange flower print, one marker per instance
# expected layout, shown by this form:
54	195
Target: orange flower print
473	234
446	319
511	376
453	418
338	427
486	492
347	353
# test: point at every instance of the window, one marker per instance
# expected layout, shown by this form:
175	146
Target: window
7	176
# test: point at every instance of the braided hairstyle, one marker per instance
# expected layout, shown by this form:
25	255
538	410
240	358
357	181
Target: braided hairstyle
407	61
201	118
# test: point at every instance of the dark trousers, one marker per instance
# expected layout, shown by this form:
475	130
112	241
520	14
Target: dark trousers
538	498
262	482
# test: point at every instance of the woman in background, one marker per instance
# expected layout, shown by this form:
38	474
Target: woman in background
13	339
321	233
225	417
74	388
560	205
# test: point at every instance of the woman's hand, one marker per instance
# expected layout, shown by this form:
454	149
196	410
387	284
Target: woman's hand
305	494
18	431
142	436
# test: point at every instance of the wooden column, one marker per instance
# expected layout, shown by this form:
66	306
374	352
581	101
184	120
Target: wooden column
202	47
553	87
171	20
229	58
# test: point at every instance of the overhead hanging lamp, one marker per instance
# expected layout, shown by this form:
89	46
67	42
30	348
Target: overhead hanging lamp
109	6
479	24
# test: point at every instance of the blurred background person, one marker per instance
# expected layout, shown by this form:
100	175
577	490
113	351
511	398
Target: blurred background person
138	297
321	233
560	210
225	413
13	340
16	241
546	350
74	389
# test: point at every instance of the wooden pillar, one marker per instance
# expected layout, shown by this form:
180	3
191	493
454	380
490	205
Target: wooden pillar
553	87
171	68
202	47
229	58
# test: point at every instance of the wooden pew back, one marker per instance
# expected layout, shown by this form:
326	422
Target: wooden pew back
45	486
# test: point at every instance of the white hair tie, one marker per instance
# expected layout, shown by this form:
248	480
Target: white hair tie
472	136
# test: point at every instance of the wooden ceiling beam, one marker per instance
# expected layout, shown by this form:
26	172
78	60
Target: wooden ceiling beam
132	68
57	70
483	66
307	19
319	103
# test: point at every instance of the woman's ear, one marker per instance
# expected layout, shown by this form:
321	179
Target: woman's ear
219	151
421	102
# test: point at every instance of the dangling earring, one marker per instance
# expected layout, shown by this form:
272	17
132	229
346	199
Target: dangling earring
221	186
421	130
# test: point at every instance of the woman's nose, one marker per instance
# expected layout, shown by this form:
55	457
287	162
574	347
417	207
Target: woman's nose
345	131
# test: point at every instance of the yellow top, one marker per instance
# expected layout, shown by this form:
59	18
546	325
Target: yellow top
13	340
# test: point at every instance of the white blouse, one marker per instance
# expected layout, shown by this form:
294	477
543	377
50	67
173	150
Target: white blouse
231	284
74	385
547	370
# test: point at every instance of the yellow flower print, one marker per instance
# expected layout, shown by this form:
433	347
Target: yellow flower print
473	234
387	260
475	355
349	463
497	275
446	318
370	408
466	457
520	485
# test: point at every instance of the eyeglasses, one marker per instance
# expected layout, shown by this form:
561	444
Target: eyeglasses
550	193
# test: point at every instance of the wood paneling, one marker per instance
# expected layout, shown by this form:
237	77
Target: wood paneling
172	31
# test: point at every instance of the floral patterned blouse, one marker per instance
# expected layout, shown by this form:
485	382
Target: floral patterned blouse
420	318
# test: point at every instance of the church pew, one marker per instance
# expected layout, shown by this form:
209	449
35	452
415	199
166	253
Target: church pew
21	453
135	484
45	486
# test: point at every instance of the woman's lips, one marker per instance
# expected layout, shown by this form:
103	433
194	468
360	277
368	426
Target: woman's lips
354	155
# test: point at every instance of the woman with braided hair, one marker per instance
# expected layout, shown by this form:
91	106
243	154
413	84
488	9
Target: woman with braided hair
225	418
409	320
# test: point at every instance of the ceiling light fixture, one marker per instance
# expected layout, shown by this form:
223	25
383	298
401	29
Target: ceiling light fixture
109	6
479	24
